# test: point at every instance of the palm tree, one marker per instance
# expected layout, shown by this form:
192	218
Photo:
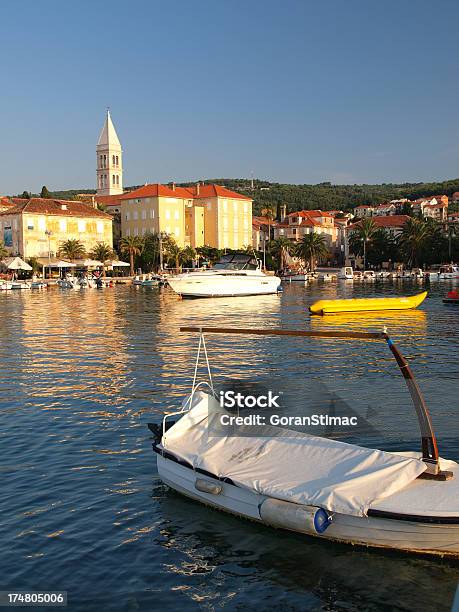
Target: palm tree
132	246
269	213
72	249
413	239
279	247
102	252
3	250
362	234
312	247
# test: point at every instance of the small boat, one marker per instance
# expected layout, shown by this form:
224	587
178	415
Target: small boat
5	285
324	307
346	273
326	276
292	276
369	275
452	298
38	284
450	272
151	280
235	274
310	484
137	281
17	284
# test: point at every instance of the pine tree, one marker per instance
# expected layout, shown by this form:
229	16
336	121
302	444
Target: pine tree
44	193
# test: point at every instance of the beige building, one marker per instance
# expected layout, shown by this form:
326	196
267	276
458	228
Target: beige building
298	224
194	216
37	227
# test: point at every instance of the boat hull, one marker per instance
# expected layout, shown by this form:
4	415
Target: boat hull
230	285
405	535
327	307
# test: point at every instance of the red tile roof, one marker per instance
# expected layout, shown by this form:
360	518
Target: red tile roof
45	206
108	200
383	221
205	191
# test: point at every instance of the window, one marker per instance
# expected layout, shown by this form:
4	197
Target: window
168	214
113	159
63	225
114	179
225	224
177	231
176	215
235	207
152	213
128	216
225	205
117	162
135	215
236	224
105	161
136	231
128	231
42	224
246	208
209	205
144	214
100	227
117	179
100	161
30	225
81	225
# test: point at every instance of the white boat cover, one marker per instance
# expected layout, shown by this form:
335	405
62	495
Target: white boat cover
299	468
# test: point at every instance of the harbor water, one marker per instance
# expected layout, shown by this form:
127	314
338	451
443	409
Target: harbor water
82	508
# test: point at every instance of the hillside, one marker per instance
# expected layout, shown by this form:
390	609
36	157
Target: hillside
324	195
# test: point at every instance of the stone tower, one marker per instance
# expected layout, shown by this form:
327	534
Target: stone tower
109	160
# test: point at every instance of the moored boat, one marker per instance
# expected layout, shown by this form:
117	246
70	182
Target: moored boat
327	307
452	298
233	275
311	485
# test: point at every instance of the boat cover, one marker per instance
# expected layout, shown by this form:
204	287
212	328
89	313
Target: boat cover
297	467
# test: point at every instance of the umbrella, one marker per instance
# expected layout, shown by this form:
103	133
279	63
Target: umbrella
89	263
63	264
16	263
116	264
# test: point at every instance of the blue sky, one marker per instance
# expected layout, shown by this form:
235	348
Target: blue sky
295	91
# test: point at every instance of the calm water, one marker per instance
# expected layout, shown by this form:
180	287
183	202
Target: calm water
82	508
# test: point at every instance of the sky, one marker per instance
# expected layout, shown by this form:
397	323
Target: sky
347	91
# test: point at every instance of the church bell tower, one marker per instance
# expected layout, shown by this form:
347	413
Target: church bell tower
109	160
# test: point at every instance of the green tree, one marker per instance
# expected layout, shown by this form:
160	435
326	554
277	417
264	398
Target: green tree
34	263
313	247
361	237
269	212
278	248
72	249
44	193
413	240
208	253
102	252
132	246
25	195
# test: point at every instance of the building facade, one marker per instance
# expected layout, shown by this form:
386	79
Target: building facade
298	224
194	216
37	227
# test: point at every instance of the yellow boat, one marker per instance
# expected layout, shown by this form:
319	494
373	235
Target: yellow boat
325	307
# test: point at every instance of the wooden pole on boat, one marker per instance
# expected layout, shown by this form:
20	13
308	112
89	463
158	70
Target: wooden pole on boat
428	440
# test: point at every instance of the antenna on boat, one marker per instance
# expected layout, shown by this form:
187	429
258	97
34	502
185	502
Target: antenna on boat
429	446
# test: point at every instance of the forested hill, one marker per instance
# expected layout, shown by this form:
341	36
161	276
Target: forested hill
324	195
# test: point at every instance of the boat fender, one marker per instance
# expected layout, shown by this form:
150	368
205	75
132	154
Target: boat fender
206	486
296	517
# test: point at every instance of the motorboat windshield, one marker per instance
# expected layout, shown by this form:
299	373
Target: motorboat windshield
236	261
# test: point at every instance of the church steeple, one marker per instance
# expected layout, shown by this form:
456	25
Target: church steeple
109	160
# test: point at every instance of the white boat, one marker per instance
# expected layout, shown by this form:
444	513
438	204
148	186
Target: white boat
326	276
17	284
291	276
137	280
5	285
346	273
450	272
316	486
235	274
151	280
369	275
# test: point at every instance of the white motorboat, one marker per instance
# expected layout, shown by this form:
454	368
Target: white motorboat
309	484
326	276
346	273
5	285
450	272
17	284
369	275
291	276
235	274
